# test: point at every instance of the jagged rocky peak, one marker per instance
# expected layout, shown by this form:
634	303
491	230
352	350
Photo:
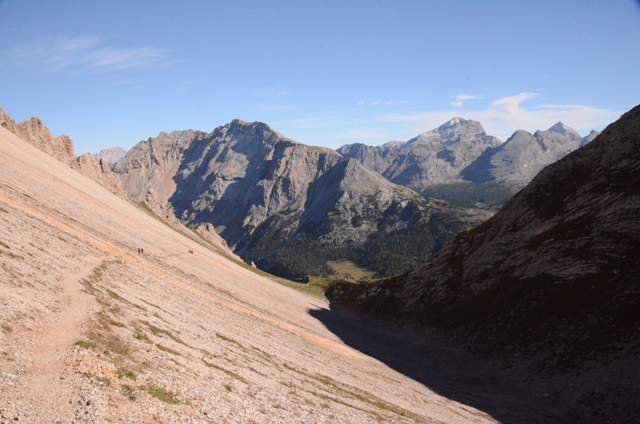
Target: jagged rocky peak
35	133
242	131
457	130
566	131
281	204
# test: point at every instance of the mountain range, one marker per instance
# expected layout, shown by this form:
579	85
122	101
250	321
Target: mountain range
459	161
109	314
288	207
547	286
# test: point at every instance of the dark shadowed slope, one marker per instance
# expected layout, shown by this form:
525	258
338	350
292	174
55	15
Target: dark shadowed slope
548	286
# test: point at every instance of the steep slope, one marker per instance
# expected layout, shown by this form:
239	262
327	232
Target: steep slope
549	285
287	207
93	331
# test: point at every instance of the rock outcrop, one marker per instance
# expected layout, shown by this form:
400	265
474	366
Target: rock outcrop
99	171
35	133
286	206
548	286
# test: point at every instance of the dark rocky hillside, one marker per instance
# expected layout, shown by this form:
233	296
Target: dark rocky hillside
548	287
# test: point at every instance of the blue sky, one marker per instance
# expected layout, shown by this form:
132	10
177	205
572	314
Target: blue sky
320	72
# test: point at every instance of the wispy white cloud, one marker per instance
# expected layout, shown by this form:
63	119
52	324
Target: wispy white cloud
506	115
461	98
83	53
379	102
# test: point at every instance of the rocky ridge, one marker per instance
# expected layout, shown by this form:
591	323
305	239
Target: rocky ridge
547	287
35	133
459	161
286	206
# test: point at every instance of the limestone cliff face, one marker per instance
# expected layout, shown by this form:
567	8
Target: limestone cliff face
265	193
152	164
35	133
550	283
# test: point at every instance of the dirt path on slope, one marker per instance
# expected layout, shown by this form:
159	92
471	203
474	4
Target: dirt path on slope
41	386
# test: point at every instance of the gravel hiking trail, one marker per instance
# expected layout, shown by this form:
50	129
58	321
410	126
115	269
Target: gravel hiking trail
43	386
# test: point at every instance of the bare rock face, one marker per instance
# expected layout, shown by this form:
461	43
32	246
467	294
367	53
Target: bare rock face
549	285
111	155
153	164
99	171
208	232
515	163
434	157
283	205
459	161
35	133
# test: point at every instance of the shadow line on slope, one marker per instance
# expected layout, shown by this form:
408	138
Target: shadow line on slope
453	374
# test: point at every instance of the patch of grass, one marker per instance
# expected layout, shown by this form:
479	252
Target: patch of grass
103	380
124	372
128	391
229	340
119	298
3	210
228	388
140	335
85	344
226	371
6	246
161	394
350	270
161	333
6	328
111	342
168	350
